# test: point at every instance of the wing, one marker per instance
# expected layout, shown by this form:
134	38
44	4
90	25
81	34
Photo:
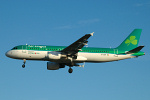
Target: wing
75	47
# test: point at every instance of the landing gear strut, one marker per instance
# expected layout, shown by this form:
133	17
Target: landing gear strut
70	70
24	61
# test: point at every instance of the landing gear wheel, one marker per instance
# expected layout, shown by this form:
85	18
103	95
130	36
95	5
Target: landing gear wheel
23	66
70	70
24	61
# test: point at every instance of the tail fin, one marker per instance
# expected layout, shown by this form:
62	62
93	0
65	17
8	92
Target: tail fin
131	41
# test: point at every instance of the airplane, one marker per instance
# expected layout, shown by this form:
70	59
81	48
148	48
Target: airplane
77	53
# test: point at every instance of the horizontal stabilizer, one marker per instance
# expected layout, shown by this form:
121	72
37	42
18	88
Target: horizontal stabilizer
135	50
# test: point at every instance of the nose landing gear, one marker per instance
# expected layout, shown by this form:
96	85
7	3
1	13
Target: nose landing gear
24	61
70	70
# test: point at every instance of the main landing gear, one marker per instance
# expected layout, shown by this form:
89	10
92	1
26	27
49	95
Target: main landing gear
24	61
70	70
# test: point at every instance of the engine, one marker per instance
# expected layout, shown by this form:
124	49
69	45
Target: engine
54	66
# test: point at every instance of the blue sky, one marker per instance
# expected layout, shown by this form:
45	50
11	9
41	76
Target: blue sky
61	22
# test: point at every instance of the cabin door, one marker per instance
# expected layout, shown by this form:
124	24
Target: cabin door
24	48
116	52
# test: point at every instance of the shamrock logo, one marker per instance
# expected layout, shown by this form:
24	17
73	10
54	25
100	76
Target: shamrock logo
131	40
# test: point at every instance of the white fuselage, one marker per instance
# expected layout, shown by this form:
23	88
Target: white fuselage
82	56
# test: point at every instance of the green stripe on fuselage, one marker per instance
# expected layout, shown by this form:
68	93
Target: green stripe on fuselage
84	49
59	48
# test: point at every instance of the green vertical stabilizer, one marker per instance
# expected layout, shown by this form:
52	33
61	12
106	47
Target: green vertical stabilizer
131	41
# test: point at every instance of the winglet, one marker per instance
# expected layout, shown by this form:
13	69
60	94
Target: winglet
92	33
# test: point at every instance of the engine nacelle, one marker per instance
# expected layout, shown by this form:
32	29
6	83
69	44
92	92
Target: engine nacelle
54	66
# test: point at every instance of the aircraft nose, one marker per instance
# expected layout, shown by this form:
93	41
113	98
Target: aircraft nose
8	53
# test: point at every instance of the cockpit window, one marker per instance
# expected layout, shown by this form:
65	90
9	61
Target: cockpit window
14	48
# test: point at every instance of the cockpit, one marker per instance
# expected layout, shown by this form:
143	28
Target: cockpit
18	47
14	53
14	48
